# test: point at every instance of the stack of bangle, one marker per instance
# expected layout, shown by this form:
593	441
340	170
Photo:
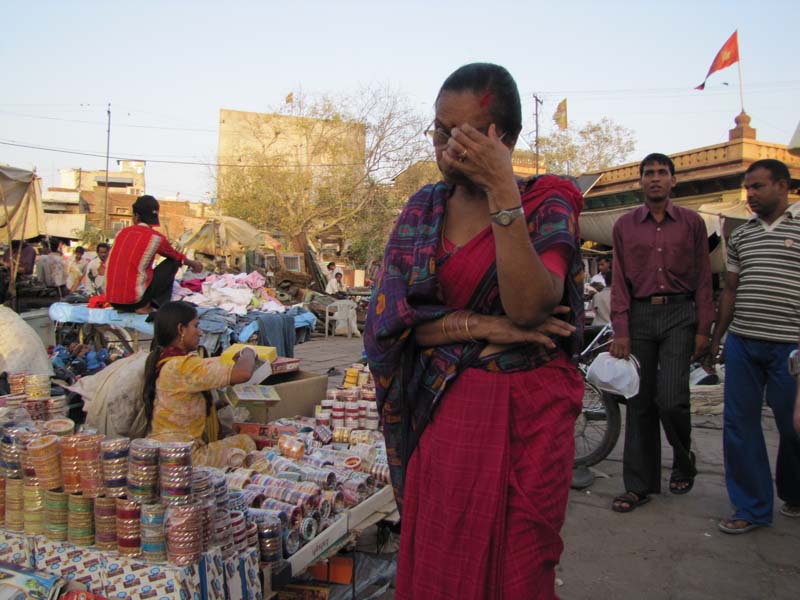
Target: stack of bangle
451	324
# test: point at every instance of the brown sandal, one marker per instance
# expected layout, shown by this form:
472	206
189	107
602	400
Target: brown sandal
627	502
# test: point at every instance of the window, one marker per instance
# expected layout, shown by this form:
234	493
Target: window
292	263
118	225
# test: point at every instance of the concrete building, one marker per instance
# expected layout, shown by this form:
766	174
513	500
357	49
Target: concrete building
83	191
129	178
176	216
422	172
80	201
286	141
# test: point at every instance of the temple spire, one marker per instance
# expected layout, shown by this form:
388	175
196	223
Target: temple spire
742	131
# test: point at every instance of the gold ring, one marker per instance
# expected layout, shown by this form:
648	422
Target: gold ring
463	156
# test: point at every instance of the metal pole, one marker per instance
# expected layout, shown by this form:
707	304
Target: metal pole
741	84
536	102
108	151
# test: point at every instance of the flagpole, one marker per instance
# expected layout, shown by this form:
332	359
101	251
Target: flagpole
741	84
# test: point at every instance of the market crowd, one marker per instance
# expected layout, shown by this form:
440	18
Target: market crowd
75	273
476	319
478	312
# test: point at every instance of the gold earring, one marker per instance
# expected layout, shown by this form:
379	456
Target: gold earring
181	338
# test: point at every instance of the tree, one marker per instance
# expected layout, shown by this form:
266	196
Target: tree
368	233
90	236
317	165
596	145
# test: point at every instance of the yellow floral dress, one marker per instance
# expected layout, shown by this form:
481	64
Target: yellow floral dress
180	408
180	405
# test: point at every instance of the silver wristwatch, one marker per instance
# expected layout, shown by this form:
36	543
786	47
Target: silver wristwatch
794	364
504	218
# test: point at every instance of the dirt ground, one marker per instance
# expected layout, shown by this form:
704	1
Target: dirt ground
668	549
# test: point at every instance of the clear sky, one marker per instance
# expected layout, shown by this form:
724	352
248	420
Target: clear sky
168	67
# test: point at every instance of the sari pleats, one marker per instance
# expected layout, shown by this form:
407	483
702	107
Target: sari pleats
486	489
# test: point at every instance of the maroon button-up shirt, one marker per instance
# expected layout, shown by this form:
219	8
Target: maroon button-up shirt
653	259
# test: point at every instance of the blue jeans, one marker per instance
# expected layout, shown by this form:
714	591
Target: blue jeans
751	366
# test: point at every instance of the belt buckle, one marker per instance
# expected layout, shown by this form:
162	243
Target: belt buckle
659	300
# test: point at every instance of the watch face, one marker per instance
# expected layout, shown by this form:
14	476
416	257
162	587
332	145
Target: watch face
504	219
794	363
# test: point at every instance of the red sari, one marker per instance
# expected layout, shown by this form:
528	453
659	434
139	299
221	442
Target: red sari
486	489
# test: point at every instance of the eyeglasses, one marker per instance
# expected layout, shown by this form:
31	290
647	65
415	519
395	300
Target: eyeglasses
439	136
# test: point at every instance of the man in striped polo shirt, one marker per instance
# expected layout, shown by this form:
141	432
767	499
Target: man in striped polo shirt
761	304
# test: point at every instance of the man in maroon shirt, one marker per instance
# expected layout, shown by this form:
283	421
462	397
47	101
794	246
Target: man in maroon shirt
661	312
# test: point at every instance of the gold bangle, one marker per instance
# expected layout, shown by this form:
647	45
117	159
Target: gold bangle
454	322
444	327
466	326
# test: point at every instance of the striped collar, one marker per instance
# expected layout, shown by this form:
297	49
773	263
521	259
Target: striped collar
792	212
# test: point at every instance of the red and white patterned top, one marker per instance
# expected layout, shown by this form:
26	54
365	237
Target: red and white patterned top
130	264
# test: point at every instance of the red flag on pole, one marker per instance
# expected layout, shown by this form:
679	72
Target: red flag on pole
727	55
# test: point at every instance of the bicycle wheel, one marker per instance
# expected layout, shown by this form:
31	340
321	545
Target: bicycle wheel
597	427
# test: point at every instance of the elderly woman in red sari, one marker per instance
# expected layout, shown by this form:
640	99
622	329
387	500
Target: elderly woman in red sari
476	314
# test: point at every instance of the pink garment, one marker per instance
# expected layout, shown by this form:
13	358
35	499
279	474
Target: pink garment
255	280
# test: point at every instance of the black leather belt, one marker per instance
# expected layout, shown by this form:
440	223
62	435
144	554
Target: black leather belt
666	299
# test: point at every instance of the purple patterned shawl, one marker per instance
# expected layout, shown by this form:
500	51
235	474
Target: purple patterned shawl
411	379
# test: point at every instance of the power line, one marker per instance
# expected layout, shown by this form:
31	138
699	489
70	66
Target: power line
85	122
184	162
763	86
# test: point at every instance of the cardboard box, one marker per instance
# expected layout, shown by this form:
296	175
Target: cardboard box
337	569
16	548
212	577
249	569
132	579
78	564
313	550
285	365
244	392
303	592
267	353
299	392
233	579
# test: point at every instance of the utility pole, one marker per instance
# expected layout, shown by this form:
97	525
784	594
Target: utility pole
536	102
108	151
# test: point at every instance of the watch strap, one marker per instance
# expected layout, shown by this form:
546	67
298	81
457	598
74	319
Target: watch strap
794	363
504	218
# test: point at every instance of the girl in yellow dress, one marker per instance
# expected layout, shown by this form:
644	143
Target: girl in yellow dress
178	383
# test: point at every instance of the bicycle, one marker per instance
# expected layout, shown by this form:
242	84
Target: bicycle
598	426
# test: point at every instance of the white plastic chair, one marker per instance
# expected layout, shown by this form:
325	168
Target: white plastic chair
340	310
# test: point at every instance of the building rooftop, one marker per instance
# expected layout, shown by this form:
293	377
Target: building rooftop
699	171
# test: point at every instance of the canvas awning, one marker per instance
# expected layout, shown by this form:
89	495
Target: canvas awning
21	214
720	218
597	225
68	226
226	235
794	143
